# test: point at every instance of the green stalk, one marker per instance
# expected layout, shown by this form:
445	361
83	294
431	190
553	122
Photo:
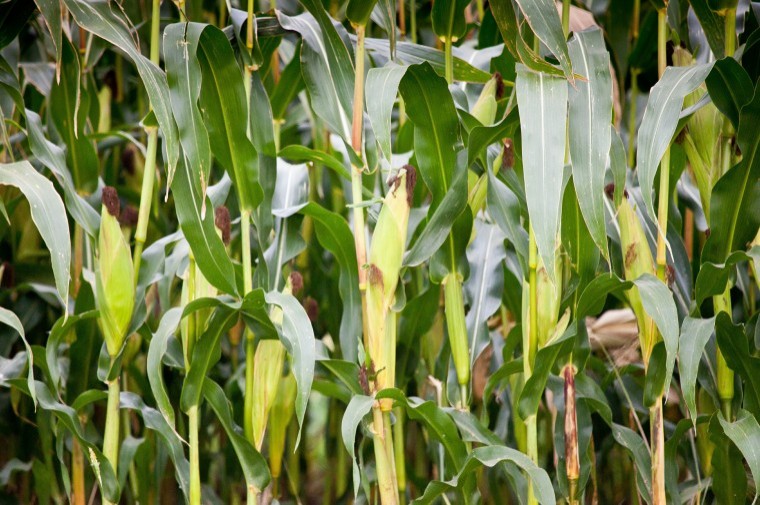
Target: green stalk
722	302
566	17
111	435
149	172
398	452
383	466
449	60
413	19
195	475
529	350
657	435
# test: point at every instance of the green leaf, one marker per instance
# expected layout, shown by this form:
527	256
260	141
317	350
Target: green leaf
734	345
255	468
382	85
48	214
485	284
744	432
297	336
413	54
155	421
694	336
713	278
730	88
333	234
660	121
209	251
729	479
735	201
205	354
542	100
11	319
223	102
447	17
439	425
54	158
589	130
504	208
13	18
303	153
658	303
654	382
101	20
490	456
593	297
359	11
545	359
327	67
430	107
506	20
183	73
357	408
636	447
480	137
58	332
69	419
713	25
156	350
544	19
69	104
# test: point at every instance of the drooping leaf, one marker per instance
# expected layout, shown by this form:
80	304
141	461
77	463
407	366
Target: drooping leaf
69	103
255	468
504	14
440	426
638	450
105	22
303	153
694	336
544	19
730	88
327	67
54	159
297	336
333	234
11	319
48	214
357	408
158	344
382	85
659	305
660	121
490	456
589	130
735	202
744	432
542	100
208	248
729	479
734	345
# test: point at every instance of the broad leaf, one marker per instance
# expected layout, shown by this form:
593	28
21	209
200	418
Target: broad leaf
543	107
660	121
589	130
694	336
48	214
358	407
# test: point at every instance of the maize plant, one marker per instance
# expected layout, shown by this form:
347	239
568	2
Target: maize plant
379	251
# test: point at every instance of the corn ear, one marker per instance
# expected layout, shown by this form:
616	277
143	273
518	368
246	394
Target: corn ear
385	257
115	277
268	364
484	109
637	261
283	408
455	323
